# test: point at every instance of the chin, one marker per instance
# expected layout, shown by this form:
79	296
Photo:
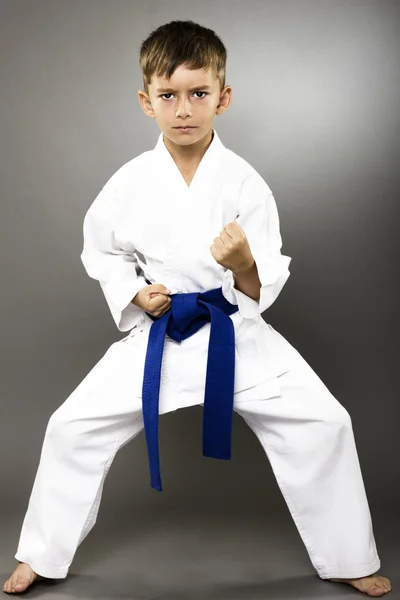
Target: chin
185	139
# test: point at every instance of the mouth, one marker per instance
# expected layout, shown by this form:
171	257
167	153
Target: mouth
184	128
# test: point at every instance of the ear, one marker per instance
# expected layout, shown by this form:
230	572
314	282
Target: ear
145	103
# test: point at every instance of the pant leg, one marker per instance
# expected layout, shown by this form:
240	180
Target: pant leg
308	438
82	437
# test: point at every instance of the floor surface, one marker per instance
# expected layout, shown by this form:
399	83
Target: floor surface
197	557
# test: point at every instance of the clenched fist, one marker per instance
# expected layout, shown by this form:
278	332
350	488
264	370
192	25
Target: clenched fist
231	249
154	299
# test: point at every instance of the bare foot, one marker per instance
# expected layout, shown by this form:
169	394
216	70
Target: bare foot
373	585
22	578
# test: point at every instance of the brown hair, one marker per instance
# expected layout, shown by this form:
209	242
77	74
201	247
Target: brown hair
181	43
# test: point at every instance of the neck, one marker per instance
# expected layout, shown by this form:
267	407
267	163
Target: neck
189	155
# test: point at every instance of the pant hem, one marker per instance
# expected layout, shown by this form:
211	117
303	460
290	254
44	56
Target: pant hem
351	572
45	570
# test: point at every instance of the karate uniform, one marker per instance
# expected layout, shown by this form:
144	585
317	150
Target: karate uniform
147	224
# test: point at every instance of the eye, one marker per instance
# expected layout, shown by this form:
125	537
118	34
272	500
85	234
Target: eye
170	94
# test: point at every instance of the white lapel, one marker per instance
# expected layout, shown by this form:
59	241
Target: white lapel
205	172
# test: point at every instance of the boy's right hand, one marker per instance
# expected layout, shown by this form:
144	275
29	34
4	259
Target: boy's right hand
154	299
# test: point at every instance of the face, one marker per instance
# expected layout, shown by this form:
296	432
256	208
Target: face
189	99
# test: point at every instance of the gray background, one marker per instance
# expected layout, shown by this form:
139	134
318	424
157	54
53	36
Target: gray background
316	111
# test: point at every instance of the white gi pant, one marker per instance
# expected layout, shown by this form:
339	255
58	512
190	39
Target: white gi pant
305	432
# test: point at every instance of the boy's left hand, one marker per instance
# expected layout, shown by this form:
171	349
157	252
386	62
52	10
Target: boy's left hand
231	249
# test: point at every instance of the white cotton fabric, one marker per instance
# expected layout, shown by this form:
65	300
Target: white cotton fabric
147	223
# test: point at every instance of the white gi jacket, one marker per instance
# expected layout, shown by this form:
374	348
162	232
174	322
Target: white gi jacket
147	223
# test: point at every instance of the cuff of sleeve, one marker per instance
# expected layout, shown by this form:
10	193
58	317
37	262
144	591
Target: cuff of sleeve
273	268
273	273
248	308
119	296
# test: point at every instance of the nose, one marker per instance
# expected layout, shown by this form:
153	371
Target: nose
183	109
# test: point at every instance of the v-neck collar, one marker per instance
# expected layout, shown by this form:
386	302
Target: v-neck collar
207	164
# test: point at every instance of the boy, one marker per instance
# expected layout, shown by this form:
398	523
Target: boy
185	243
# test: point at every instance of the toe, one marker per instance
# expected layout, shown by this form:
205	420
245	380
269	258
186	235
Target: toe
385	583
380	589
21	584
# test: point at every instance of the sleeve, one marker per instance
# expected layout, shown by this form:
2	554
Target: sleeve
258	217
117	270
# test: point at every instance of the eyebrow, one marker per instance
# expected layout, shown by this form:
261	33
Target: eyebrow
199	87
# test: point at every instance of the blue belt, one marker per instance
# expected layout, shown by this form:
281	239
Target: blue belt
187	314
